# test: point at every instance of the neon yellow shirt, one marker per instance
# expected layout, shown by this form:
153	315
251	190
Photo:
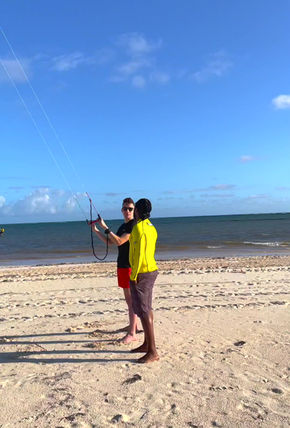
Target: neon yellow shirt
142	248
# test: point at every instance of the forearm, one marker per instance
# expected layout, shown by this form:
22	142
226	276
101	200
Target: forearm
115	239
102	237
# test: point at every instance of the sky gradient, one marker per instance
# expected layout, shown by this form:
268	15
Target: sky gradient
187	105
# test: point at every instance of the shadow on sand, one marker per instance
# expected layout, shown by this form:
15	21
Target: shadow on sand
35	352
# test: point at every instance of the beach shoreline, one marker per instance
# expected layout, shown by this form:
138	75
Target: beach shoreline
221	332
160	256
192	264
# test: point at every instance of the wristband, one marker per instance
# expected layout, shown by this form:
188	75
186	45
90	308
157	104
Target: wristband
107	231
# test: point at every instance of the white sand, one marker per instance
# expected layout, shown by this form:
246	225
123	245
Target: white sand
221	329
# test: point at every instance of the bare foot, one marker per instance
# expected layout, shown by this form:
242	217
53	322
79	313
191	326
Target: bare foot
142	348
150	357
128	339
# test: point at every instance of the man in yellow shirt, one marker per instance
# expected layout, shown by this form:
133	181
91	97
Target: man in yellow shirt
143	275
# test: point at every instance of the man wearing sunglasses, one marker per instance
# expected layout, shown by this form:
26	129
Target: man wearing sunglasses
121	239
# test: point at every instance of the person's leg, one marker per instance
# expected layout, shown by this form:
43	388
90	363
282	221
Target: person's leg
144	347
150	347
131	335
143	301
123	276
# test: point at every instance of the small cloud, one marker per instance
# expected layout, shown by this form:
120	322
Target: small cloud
71	61
13	69
281	102
247	158
159	77
2	201
170	198
217	66
137	45
223	195
131	67
138	81
112	194
104	56
283	188
73	201
138	65
168	192
222	187
259	196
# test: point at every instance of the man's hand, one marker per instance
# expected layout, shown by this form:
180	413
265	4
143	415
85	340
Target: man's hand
94	227
101	222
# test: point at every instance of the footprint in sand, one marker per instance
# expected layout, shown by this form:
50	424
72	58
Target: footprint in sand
240	343
119	418
94	345
133	379
277	390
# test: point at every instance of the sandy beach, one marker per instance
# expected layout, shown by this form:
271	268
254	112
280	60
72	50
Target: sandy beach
221	331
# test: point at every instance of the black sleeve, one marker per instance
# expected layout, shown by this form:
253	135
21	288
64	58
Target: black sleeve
129	226
120	231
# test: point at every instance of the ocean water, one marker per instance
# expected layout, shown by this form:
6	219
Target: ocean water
178	237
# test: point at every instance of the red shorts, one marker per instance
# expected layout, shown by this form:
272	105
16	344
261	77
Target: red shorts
123	275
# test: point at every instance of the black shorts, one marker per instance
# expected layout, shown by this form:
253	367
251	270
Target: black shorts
141	292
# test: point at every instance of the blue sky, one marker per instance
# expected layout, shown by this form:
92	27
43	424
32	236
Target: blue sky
187	104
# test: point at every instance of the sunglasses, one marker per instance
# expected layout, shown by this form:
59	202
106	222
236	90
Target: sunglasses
127	209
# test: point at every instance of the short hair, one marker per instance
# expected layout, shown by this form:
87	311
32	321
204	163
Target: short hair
128	201
144	208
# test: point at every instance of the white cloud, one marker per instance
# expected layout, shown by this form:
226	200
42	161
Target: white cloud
73	201
258	196
40	201
13	68
138	64
138	81
283	188
222	187
246	158
217	66
43	201
137	45
71	61
159	77
131	67
104	56
281	102
219	196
